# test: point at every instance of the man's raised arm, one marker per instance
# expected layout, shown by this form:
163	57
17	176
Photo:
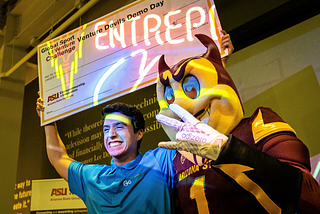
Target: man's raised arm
56	150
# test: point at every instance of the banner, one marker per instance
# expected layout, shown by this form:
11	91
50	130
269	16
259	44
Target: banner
118	53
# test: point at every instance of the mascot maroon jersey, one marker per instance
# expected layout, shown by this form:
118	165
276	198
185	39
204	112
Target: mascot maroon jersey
262	168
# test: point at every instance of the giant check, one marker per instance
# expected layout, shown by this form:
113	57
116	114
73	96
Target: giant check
118	53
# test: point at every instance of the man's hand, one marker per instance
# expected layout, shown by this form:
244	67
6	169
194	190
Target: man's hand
193	136
40	108
226	44
39	105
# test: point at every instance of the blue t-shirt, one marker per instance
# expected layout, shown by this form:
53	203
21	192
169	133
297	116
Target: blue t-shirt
143	185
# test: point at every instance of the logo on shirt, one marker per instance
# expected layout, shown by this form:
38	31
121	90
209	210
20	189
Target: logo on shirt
132	179
182	159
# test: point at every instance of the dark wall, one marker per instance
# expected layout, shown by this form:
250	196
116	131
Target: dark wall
250	21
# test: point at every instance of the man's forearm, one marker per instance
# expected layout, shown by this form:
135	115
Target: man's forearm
56	150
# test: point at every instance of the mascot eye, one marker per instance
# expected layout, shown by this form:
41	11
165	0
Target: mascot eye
191	87
169	95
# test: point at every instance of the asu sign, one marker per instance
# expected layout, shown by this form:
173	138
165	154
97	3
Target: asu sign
118	53
53	194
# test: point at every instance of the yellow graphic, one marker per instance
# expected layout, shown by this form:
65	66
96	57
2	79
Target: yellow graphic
62	70
167	75
236	172
261	130
117	117
215	34
186	173
197	192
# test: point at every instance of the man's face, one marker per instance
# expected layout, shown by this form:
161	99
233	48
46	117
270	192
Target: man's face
119	138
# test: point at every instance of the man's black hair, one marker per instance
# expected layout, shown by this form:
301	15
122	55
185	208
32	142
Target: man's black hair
131	112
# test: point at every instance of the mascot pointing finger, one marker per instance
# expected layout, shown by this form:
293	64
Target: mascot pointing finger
227	163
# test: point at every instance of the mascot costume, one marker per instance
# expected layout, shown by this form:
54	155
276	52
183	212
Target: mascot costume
227	163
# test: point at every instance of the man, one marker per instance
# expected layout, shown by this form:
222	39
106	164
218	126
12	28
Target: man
134	183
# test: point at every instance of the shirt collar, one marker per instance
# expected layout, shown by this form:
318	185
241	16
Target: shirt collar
129	165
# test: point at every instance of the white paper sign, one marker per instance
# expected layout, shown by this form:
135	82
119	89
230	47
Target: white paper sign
118	53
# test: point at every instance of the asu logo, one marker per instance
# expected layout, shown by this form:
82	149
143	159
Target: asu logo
59	191
53	97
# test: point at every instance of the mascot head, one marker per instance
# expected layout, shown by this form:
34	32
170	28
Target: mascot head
203	87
